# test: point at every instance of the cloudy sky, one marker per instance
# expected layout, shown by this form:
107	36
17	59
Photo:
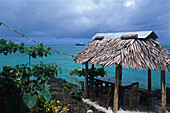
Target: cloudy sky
72	21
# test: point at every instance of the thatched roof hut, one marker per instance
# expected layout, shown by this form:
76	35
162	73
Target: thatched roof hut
142	53
138	50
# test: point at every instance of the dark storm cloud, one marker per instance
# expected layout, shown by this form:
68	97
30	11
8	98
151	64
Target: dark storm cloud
59	20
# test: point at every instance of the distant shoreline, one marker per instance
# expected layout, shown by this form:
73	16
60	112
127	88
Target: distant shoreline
71	45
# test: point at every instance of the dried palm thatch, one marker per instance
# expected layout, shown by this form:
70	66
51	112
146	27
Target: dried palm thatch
135	53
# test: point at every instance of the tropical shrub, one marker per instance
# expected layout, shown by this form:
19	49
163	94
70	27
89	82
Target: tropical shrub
65	89
7	47
92	72
48	107
70	85
19	90
81	72
43	72
38	50
30	89
77	94
73	90
79	81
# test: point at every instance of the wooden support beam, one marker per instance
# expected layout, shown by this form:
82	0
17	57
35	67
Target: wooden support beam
121	91
92	76
149	87
92	67
92	70
163	92
86	81
102	66
120	71
117	76
149	80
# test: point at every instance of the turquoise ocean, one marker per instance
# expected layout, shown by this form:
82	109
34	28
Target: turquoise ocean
66	63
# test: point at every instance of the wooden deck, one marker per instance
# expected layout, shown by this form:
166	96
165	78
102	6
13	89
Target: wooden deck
154	107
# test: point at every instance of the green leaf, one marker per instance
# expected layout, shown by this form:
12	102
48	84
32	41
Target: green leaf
22	44
15	49
39	92
29	100
11	71
47	95
27	71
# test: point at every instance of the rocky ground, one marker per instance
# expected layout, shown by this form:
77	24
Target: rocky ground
74	105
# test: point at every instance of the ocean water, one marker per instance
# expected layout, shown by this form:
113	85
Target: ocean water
66	63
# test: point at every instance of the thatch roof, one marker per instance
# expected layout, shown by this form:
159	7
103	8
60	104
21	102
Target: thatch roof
135	53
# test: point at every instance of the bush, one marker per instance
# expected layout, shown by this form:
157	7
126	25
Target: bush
48	107
15	81
65	89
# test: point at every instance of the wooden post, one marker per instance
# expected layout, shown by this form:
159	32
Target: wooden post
92	71
149	79
149	88
92	76
115	103
120	70
86	81
92	67
91	87
103	67
163	92
121	90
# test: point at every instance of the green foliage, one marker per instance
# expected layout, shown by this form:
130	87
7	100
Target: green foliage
65	89
38	50
70	85
49	107
18	74
9	47
29	89
77	94
34	51
81	72
72	90
22	48
15	87
79	81
43	72
46	93
30	100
